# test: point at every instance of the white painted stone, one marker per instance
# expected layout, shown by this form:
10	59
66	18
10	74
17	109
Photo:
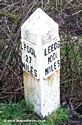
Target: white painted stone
41	58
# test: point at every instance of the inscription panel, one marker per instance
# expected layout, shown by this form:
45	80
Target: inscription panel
51	52
29	58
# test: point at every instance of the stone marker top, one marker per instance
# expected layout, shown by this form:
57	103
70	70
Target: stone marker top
39	24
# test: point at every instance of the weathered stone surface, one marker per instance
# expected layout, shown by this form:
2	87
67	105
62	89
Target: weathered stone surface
41	58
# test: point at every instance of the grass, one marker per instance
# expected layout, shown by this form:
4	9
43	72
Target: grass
59	117
21	111
15	111
12	16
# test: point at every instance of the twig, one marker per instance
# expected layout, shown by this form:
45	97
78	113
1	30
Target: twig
42	2
6	33
19	89
66	5
77	12
29	12
9	6
77	106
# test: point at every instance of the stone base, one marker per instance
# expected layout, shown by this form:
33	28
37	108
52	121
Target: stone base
44	94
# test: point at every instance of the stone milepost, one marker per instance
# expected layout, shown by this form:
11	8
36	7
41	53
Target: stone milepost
40	44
